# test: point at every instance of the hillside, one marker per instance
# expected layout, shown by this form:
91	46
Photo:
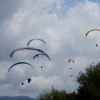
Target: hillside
16	98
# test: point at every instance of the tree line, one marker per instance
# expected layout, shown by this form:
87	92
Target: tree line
89	87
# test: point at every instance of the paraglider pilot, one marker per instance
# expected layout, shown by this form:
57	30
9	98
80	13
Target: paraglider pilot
29	80
96	45
22	83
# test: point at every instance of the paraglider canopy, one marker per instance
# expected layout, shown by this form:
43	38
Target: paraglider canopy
30	48
92	30
72	75
35	39
41	54
71	60
20	63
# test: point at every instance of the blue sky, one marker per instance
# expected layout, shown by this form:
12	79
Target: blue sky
74	2
62	24
97	1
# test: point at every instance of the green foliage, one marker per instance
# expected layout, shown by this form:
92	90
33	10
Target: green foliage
89	87
89	83
55	94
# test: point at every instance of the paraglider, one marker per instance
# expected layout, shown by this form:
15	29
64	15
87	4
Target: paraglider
26	48
19	63
72	75
41	54
92	30
70	60
22	83
96	45
29	80
29	48
35	39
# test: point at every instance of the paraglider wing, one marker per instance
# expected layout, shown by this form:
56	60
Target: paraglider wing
19	63
72	75
35	39
41	54
71	60
26	48
92	30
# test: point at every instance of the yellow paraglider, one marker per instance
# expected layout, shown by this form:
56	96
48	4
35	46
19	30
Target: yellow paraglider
92	30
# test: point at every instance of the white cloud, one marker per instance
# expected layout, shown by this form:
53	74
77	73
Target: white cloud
63	30
42	82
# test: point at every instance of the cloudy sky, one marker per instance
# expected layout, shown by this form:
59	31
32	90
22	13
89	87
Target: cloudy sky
62	24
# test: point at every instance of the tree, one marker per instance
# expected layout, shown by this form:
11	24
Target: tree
55	94
89	83
89	87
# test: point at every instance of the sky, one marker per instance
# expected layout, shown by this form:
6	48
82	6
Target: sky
62	24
